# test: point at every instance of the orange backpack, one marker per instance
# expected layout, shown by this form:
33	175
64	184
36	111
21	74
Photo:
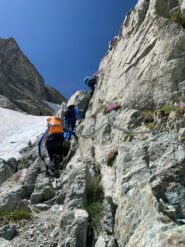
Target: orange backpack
55	125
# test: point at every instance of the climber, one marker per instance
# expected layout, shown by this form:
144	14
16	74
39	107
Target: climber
53	138
71	115
70	118
91	82
113	43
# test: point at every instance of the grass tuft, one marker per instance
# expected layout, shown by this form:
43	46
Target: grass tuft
169	108
147	115
151	126
111	157
15	215
94	203
177	17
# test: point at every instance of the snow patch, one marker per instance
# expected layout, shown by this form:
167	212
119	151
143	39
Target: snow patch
16	130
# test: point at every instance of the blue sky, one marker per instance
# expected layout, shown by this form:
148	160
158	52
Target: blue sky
64	39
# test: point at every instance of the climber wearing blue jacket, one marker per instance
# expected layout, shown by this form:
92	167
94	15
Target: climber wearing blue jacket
71	115
91	82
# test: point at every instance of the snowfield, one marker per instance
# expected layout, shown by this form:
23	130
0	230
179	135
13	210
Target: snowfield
16	130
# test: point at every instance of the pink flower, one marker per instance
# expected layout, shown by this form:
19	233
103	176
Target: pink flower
183	107
112	106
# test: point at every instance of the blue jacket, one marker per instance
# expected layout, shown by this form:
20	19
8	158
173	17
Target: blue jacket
78	113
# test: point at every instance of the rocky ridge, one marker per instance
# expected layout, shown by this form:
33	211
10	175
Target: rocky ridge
21	86
123	183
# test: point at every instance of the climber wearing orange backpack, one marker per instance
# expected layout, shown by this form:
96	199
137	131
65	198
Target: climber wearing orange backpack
53	139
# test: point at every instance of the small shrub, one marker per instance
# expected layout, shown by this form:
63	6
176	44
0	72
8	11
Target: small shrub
169	108
177	17
95	191
94	203
148	116
128	137
97	169
15	215
94	209
151	126
48	193
93	116
182	106
111	157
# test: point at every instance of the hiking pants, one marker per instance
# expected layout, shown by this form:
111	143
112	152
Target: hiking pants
70	124
54	147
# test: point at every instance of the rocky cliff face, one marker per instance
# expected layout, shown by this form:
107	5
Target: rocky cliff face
21	83
123	182
147	65
138	158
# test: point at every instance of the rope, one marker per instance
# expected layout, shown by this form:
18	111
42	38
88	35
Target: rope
106	124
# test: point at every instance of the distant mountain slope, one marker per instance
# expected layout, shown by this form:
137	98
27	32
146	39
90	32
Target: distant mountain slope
21	83
52	95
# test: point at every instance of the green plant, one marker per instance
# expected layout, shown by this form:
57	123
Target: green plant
97	169
94	209
17	214
94	203
177	17
151	126
93	116
95	191
111	157
147	115
48	193
169	107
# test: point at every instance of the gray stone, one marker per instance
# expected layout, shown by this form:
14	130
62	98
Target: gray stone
108	215
73	228
43	190
12	163
79	179
81	100
5	171
5	243
10	199
18	187
100	242
28	183
7	231
24	205
41	206
54	233
36	197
